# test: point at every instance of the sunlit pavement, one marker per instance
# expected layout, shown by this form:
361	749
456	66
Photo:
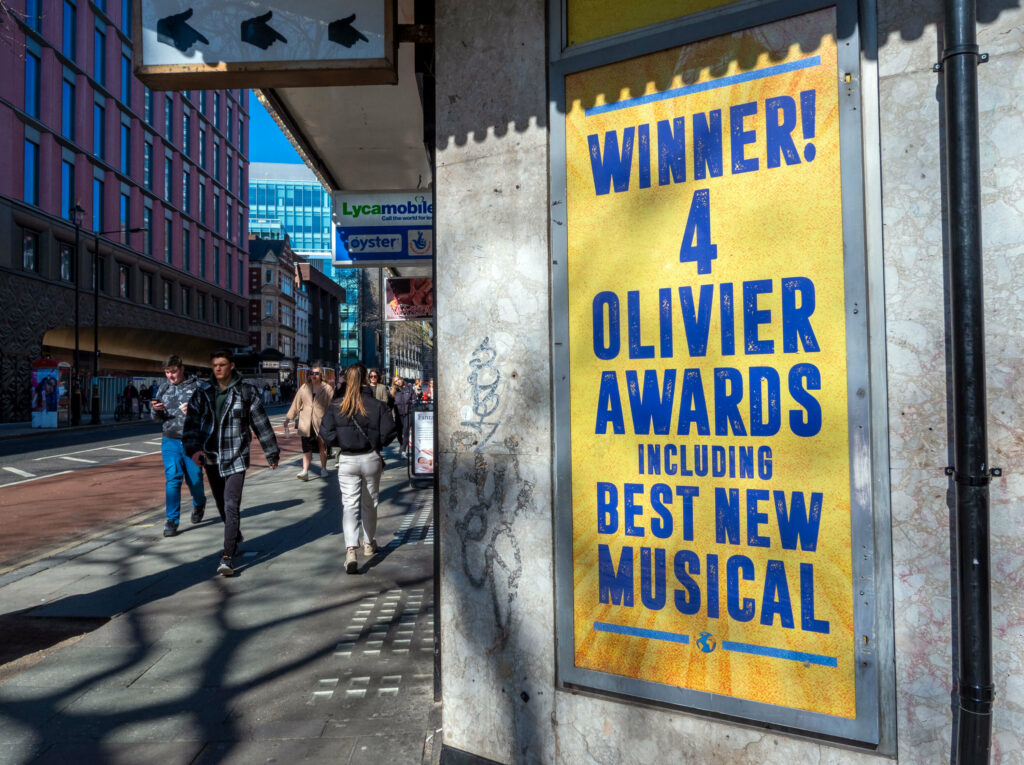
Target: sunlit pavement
290	660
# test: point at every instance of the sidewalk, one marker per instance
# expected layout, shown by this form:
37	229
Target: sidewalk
292	660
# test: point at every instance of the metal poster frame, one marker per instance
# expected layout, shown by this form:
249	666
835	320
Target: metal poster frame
874	726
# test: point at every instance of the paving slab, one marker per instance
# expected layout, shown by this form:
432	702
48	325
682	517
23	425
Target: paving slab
293	659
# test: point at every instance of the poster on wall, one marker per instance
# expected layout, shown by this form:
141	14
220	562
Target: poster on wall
408	299
707	394
423	442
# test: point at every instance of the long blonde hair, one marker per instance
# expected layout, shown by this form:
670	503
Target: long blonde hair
352	402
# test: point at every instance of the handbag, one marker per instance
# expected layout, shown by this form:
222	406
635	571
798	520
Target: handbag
363	434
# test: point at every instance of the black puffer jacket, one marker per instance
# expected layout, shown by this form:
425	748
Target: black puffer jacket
379	426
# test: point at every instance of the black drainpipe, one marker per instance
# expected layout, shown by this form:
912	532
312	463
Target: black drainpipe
959	67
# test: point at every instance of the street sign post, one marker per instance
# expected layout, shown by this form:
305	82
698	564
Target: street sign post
264	45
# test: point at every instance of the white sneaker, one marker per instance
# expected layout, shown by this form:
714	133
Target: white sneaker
351	564
370	548
303	476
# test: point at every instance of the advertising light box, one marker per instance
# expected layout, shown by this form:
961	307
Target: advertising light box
386	228
708	422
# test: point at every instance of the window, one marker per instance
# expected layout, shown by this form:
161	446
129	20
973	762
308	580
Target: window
125	214
241	177
229	271
68	47
126	80
201	306
241	232
202	148
202	256
269	308
147	165
31	172
230	174
186	132
124	274
231	123
30	250
98	130
99	268
168	179
216	264
268	276
168	240
126	17
167	296
241	131
97	205
216	311
126	148
186	249
270	339
241	278
147	288
216	109
148	107
229	216
202	102
67	106
147	223
216	211
202	200
32	14
67	189
32	69
186	301
216	159
99	53
66	262
169	118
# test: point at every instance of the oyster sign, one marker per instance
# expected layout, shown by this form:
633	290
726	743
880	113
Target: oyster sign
387	228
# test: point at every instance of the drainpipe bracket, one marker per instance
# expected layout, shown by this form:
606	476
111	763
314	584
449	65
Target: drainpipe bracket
973	480
976	698
961	50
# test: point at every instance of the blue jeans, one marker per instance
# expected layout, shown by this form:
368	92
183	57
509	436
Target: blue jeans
178	466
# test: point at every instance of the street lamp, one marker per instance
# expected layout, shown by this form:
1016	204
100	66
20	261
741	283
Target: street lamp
76	400
94	417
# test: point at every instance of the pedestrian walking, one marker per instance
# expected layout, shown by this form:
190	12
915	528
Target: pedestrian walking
307	410
380	390
222	414
360	426
170	405
404	397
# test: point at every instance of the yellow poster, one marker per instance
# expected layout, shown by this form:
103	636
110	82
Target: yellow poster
708	394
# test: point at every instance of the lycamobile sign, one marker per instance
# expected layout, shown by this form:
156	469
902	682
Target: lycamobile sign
387	228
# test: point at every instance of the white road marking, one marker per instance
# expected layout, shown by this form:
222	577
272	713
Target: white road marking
140	454
22	473
77	459
130	451
37	478
80	451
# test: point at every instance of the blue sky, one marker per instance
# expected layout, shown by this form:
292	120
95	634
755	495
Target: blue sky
266	141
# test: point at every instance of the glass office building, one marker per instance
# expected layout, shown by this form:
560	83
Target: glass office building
287	198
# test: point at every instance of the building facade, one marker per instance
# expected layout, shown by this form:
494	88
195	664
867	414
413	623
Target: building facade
324	299
156	182
288	199
272	289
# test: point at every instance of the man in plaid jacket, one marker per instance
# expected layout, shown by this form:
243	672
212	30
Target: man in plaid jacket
222	414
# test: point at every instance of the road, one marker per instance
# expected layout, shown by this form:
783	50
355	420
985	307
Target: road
58	489
34	457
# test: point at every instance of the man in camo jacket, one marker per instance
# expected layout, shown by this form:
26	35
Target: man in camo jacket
170	404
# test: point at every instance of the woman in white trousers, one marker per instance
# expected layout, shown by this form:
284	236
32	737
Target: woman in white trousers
360	426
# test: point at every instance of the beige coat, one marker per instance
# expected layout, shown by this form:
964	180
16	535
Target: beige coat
308	410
